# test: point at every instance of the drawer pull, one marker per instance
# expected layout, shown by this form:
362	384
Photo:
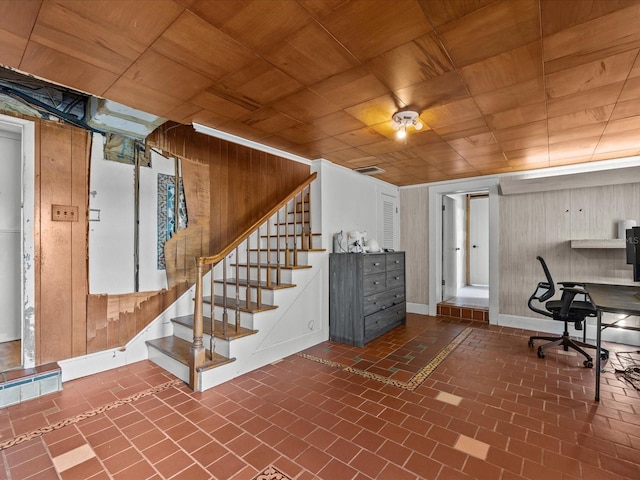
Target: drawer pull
376	264
396	278
376	283
397	261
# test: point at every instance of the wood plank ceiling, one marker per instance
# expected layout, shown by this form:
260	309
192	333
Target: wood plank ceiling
501	86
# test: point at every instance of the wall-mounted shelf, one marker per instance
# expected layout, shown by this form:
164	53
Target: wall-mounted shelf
599	243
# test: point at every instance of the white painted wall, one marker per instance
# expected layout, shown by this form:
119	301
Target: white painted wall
351	201
111	240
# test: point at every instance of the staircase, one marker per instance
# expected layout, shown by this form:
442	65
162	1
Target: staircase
245	299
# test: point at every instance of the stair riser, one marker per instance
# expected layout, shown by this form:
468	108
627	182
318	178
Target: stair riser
221	346
273	257
173	366
285	274
246	319
267	295
293	241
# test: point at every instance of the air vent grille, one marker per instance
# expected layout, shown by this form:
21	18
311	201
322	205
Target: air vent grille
371	170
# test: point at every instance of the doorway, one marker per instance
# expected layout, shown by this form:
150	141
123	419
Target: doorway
465	249
478	295
17	243
10	249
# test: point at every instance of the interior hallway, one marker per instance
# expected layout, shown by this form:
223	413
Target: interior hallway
490	410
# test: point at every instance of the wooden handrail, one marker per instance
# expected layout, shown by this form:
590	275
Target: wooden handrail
240	238
197	354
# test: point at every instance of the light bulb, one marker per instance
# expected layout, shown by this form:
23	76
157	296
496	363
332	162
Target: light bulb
418	125
402	133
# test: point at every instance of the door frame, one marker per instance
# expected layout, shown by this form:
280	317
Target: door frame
26	130
436	192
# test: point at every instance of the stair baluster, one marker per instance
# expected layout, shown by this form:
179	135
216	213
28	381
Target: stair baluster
212	319
269	252
278	248
258	260
305	243
295	231
237	295
225	317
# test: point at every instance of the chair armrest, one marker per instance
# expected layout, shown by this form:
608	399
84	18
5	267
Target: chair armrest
568	294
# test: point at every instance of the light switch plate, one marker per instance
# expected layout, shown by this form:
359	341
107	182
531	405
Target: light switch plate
64	213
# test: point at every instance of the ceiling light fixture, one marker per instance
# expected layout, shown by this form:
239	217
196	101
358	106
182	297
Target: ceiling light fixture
403	119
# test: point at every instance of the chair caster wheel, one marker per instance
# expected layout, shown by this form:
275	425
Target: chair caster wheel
588	363
604	355
540	352
530	343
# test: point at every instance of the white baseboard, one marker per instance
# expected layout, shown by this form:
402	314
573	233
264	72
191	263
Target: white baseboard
615	335
420	308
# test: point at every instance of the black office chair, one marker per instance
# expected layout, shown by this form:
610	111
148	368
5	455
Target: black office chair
566	310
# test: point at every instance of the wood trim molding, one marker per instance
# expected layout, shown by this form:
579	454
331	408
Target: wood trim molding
618	176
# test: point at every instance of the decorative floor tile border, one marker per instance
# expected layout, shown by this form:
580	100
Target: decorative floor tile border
68	421
414	381
271	473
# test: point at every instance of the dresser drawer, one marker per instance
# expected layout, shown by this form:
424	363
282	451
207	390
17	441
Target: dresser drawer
374	283
395	261
380	301
395	279
373	263
383	321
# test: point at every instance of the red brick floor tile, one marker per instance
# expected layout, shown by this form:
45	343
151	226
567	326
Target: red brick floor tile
534	417
368	463
140	471
313	459
173	463
227	466
83	471
209	453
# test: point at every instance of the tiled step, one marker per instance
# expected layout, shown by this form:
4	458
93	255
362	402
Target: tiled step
466	312
180	350
253	283
231	333
241	305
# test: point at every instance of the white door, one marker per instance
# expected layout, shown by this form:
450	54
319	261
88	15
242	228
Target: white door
449	249
479	240
10	235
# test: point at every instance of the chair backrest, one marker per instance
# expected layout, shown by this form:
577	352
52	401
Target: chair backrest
543	292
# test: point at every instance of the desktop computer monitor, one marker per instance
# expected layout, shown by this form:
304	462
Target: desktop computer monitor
633	251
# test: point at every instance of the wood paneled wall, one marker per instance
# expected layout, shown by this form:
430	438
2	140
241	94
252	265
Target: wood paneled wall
544	224
113	320
414	240
185	245
232	188
244	183
62	178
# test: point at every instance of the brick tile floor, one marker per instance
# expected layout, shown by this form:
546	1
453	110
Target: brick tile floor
490	410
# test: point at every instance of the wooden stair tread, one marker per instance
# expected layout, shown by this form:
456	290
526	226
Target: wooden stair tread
253	283
232	304
291	235
187	321
273	250
271	265
180	350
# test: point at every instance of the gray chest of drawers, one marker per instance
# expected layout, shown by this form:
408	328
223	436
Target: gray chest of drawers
366	295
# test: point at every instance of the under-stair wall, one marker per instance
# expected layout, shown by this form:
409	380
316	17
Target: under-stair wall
264	299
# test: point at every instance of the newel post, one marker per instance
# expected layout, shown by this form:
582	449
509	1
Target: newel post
197	356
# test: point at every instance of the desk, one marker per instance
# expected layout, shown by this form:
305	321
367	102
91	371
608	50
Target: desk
618	299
